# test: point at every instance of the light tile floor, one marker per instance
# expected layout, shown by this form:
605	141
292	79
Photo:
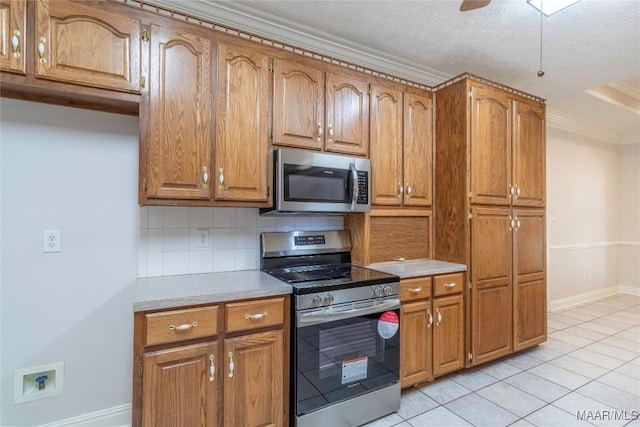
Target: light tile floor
590	362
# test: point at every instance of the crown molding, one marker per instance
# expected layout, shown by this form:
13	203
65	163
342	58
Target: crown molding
558	120
304	37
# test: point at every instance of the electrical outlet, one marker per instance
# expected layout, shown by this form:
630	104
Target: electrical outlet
51	241
202	238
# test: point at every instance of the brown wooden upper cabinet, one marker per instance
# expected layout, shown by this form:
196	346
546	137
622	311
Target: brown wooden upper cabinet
176	117
85	44
318	110
13	22
507	149
242	142
401	146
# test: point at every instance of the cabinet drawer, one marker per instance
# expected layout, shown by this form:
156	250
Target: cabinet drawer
255	314
415	288
447	284
179	325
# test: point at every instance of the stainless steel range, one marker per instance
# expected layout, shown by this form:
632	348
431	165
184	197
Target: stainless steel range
345	329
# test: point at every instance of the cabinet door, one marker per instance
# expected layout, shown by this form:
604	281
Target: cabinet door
178	389
491	305
418	151
448	334
86	45
529	285
298	105
241	127
387	184
490	146
178	115
12	28
415	342
529	155
347	115
253	380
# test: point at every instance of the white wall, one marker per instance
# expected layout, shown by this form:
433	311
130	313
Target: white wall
587	215
629	218
76	171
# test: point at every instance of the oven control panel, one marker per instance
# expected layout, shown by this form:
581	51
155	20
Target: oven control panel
367	292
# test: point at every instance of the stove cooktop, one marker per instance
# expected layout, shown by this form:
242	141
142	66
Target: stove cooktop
318	278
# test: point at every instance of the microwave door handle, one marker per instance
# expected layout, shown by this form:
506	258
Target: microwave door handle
326	315
354	182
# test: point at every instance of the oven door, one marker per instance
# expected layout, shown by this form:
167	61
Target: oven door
345	351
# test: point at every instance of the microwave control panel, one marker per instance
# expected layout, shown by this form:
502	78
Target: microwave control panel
363	188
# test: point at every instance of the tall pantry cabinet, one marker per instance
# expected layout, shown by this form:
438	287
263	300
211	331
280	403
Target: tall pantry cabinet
490	196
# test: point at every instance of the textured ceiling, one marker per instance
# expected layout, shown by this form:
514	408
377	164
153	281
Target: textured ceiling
590	44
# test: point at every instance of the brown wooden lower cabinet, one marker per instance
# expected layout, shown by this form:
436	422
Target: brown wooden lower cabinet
178	389
208	375
432	328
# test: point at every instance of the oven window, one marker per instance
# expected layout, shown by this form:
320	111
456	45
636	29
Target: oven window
314	184
342	359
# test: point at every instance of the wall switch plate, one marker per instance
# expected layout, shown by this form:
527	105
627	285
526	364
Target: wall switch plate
202	238
38	382
51	241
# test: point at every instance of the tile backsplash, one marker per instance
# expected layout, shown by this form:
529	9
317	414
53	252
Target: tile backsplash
170	238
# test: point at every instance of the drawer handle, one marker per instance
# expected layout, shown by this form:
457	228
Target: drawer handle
183	328
449	285
399	258
257	316
415	290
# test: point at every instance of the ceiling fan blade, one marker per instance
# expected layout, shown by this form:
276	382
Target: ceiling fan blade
473	4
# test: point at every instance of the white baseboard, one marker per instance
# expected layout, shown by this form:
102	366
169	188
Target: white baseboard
630	290
118	416
561	304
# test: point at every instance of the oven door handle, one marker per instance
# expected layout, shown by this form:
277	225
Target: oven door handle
327	315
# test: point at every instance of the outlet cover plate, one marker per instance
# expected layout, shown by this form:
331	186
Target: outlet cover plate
51	241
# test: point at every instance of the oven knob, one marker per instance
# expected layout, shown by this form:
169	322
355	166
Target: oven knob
377	291
328	300
387	290
317	301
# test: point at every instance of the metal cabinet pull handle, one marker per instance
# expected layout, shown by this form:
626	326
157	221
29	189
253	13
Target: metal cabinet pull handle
205	175
517	224
430	318
449	285
212	368
415	290
399	258
232	365
221	177
15	43
330	132
400	189
517	191
438	317
320	131
510	190
41	48
183	328
408	187
256	316
512	222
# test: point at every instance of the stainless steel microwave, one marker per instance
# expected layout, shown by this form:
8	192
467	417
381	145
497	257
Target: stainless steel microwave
308	182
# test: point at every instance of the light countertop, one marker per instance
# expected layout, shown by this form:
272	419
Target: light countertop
157	293
416	268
